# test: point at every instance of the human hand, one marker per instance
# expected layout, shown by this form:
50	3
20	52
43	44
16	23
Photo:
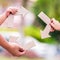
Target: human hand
31	54
11	10
55	25
15	49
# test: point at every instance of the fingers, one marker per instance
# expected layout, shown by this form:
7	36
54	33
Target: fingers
52	25
52	30
11	10
16	50
21	52
21	49
54	21
55	24
31	54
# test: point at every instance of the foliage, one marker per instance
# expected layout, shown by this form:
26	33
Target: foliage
52	9
35	32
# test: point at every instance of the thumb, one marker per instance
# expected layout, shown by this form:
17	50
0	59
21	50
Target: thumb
52	25
21	51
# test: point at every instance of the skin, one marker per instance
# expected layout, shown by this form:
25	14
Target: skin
55	25
13	48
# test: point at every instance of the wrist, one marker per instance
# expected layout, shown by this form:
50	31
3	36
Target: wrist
6	14
8	47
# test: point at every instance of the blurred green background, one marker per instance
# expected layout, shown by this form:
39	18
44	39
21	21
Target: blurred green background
52	9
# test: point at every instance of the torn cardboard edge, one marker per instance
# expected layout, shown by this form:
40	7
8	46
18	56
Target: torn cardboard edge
44	17
27	46
46	31
9	21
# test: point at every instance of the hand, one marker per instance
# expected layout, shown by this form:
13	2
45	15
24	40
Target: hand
11	10
31	54
55	25
15	49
